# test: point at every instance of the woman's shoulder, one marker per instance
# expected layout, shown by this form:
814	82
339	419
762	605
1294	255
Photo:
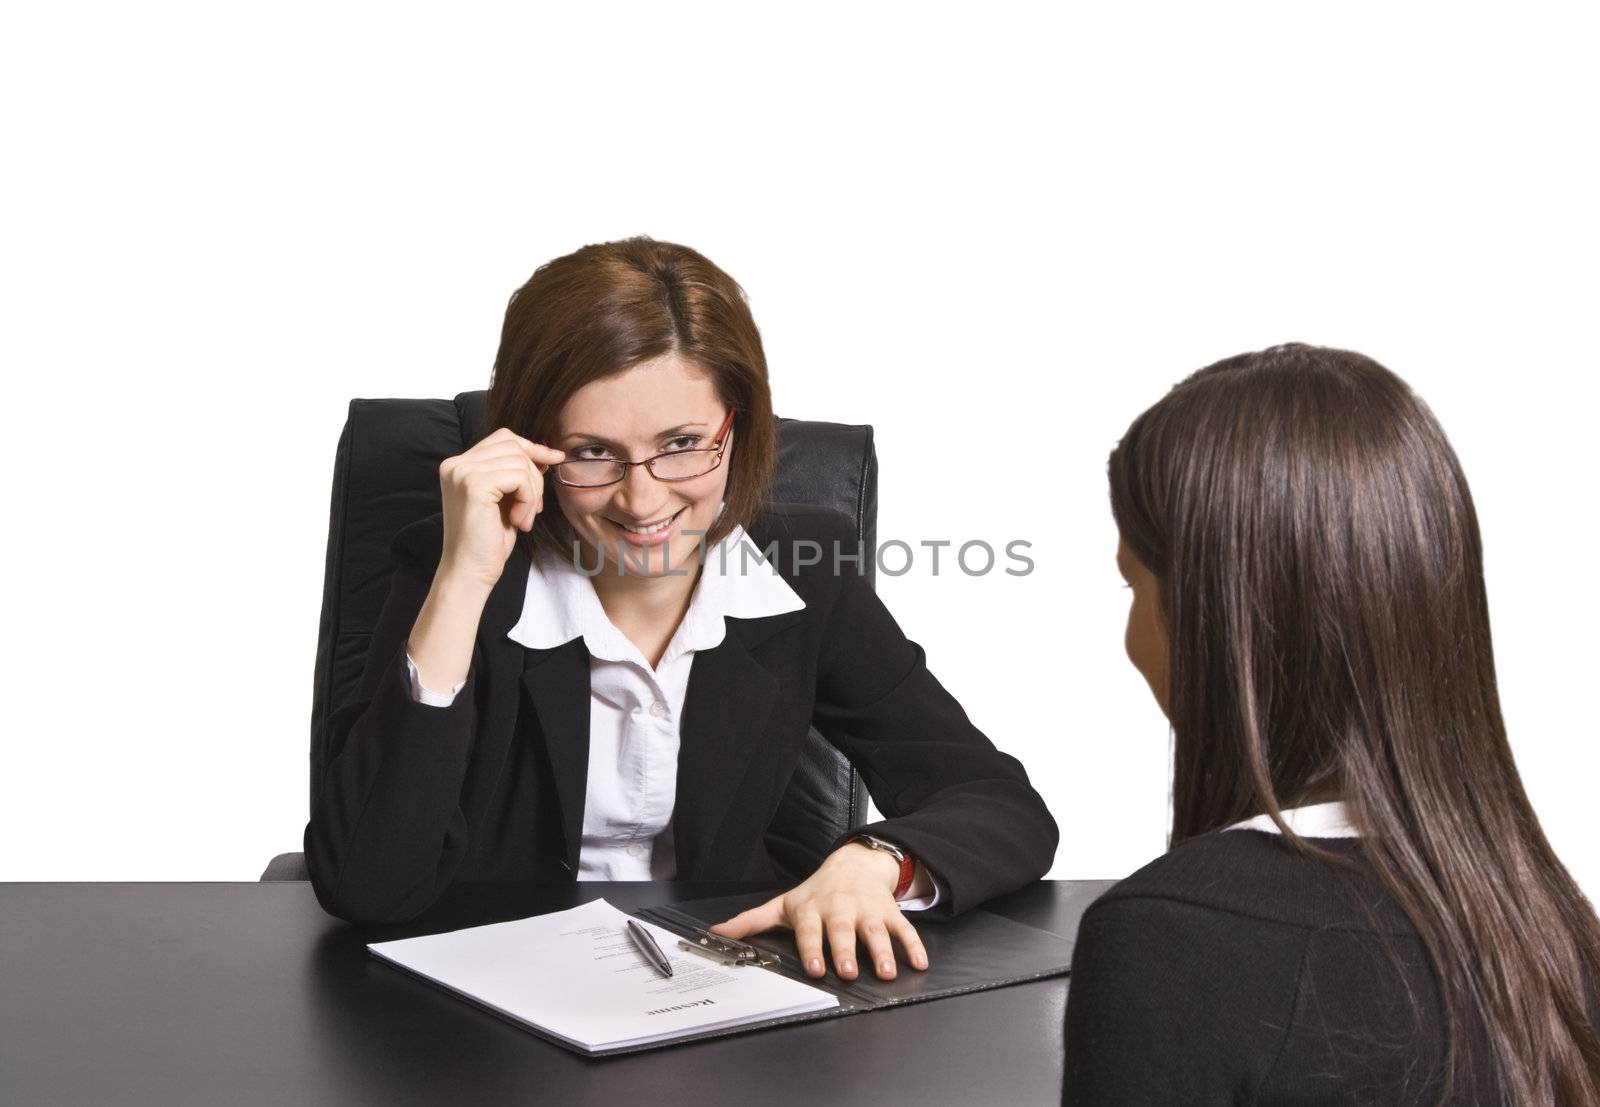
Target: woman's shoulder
1249	874
1240	962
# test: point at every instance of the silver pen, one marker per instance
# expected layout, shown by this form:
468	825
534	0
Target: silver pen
647	946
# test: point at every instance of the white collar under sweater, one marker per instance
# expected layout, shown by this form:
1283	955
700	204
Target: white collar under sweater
1317	820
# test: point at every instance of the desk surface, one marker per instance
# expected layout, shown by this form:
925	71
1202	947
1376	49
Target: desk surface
248	993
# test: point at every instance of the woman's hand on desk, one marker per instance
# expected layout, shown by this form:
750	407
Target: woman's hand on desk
851	894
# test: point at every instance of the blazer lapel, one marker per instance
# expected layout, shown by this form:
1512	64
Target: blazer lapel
725	712
557	683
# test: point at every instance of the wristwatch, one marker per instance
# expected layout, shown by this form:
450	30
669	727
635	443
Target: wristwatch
908	864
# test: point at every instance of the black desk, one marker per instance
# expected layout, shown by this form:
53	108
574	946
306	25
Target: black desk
247	993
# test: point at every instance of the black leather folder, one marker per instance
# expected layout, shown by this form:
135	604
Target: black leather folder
970	953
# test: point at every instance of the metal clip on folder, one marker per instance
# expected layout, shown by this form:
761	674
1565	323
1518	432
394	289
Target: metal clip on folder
726	951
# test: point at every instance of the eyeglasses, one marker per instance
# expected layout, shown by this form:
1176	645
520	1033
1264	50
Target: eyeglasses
674	465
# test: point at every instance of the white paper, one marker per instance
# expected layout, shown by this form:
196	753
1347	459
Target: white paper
577	976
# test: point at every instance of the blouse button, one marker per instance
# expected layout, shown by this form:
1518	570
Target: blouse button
658	709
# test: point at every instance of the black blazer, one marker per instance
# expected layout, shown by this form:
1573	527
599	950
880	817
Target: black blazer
491	788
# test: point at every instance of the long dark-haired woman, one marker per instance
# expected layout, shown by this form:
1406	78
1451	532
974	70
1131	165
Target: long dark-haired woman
1359	905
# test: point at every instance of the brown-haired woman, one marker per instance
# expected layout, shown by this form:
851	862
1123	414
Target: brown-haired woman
1359	905
586	670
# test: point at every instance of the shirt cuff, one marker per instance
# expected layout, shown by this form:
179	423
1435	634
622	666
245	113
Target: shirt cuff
923	893
419	694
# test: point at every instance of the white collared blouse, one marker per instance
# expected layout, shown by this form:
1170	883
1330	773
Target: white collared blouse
634	708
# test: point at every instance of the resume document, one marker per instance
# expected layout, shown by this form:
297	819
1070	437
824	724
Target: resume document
576	975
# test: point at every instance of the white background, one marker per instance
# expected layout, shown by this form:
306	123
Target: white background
1010	229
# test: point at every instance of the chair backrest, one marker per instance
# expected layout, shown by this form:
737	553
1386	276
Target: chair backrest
386	476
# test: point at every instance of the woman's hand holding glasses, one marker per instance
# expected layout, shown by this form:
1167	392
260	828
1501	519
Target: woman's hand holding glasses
490	492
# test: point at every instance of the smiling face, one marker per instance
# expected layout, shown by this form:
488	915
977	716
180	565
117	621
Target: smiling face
1146	636
643	525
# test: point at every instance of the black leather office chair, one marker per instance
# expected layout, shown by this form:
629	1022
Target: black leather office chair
386	475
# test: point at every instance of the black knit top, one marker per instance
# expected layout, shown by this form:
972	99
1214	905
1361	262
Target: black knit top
1235	970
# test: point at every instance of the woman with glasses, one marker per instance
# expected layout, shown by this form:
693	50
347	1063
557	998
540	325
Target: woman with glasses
588	669
1359	905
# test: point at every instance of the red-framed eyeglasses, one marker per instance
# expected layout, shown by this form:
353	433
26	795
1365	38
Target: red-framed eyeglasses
674	465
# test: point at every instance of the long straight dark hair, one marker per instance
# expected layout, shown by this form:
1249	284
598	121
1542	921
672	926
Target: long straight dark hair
1321	581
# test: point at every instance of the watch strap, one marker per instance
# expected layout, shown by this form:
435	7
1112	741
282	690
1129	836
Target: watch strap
908	864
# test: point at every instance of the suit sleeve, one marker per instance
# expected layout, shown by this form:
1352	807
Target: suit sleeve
1169	1002
951	799
387	832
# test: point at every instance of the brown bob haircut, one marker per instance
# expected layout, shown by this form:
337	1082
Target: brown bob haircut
608	307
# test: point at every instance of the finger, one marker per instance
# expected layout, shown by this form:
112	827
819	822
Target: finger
525	499
910	941
520	448
504	438
808	940
523	514
499	474
875	936
842	940
530	508
540	454
753	921
514	489
506	434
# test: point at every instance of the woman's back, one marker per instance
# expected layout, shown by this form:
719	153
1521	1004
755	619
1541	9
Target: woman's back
1235	969
1309	610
